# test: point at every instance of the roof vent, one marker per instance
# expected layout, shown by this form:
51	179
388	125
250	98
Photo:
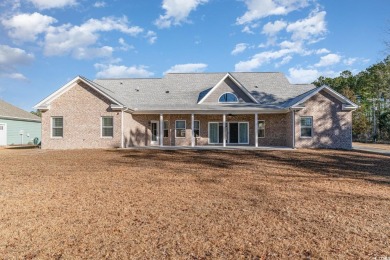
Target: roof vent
256	87
137	89
121	83
167	91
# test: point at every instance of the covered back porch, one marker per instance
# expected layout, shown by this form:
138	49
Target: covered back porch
209	130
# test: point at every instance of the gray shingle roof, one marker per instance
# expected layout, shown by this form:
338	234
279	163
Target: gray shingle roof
182	91
10	111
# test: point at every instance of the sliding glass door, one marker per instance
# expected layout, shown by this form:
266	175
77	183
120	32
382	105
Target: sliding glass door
237	133
215	133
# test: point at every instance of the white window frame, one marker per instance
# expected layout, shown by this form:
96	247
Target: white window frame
198	128
185	129
51	127
165	129
228	102
312	126
101	127
258	128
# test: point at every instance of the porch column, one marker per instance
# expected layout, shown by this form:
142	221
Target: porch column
161	130
256	130
192	130
122	132
224	129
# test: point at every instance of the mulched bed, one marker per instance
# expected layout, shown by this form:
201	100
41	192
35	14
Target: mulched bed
194	204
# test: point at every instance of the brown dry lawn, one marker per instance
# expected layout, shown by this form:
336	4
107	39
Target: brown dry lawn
194	204
384	147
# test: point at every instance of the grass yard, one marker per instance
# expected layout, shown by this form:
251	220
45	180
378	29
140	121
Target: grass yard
194	204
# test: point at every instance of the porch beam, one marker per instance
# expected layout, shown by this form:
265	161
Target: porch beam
224	129
192	130
161	130
256	129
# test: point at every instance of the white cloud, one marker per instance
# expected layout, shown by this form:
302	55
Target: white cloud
350	61
240	47
10	59
68	39
248	28
284	61
121	71
261	58
151	36
187	68
177	11
99	4
306	76
258	9
124	45
15	75
48	4
287	48
273	28
328	60
26	27
322	51
310	28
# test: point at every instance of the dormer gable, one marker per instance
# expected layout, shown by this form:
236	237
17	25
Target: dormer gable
227	90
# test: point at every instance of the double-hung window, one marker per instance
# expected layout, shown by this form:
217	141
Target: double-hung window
261	129
180	128
307	126
57	126
166	128
107	126
196	128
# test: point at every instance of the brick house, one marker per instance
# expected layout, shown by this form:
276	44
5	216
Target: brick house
196	109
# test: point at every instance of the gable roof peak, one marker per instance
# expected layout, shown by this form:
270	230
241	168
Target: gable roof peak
235	81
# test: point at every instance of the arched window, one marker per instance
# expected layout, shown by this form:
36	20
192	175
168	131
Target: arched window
228	98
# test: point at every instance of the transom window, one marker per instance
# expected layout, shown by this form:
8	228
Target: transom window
228	98
307	126
57	126
180	128
261	129
107	126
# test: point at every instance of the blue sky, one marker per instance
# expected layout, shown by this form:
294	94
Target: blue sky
45	43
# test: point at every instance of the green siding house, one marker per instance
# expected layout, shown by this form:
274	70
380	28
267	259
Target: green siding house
18	127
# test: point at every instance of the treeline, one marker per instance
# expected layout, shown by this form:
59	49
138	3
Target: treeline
370	89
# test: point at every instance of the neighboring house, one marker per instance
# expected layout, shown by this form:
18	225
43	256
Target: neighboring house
17	126
196	109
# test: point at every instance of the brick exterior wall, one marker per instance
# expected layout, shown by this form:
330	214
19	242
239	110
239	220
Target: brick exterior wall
332	127
81	108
